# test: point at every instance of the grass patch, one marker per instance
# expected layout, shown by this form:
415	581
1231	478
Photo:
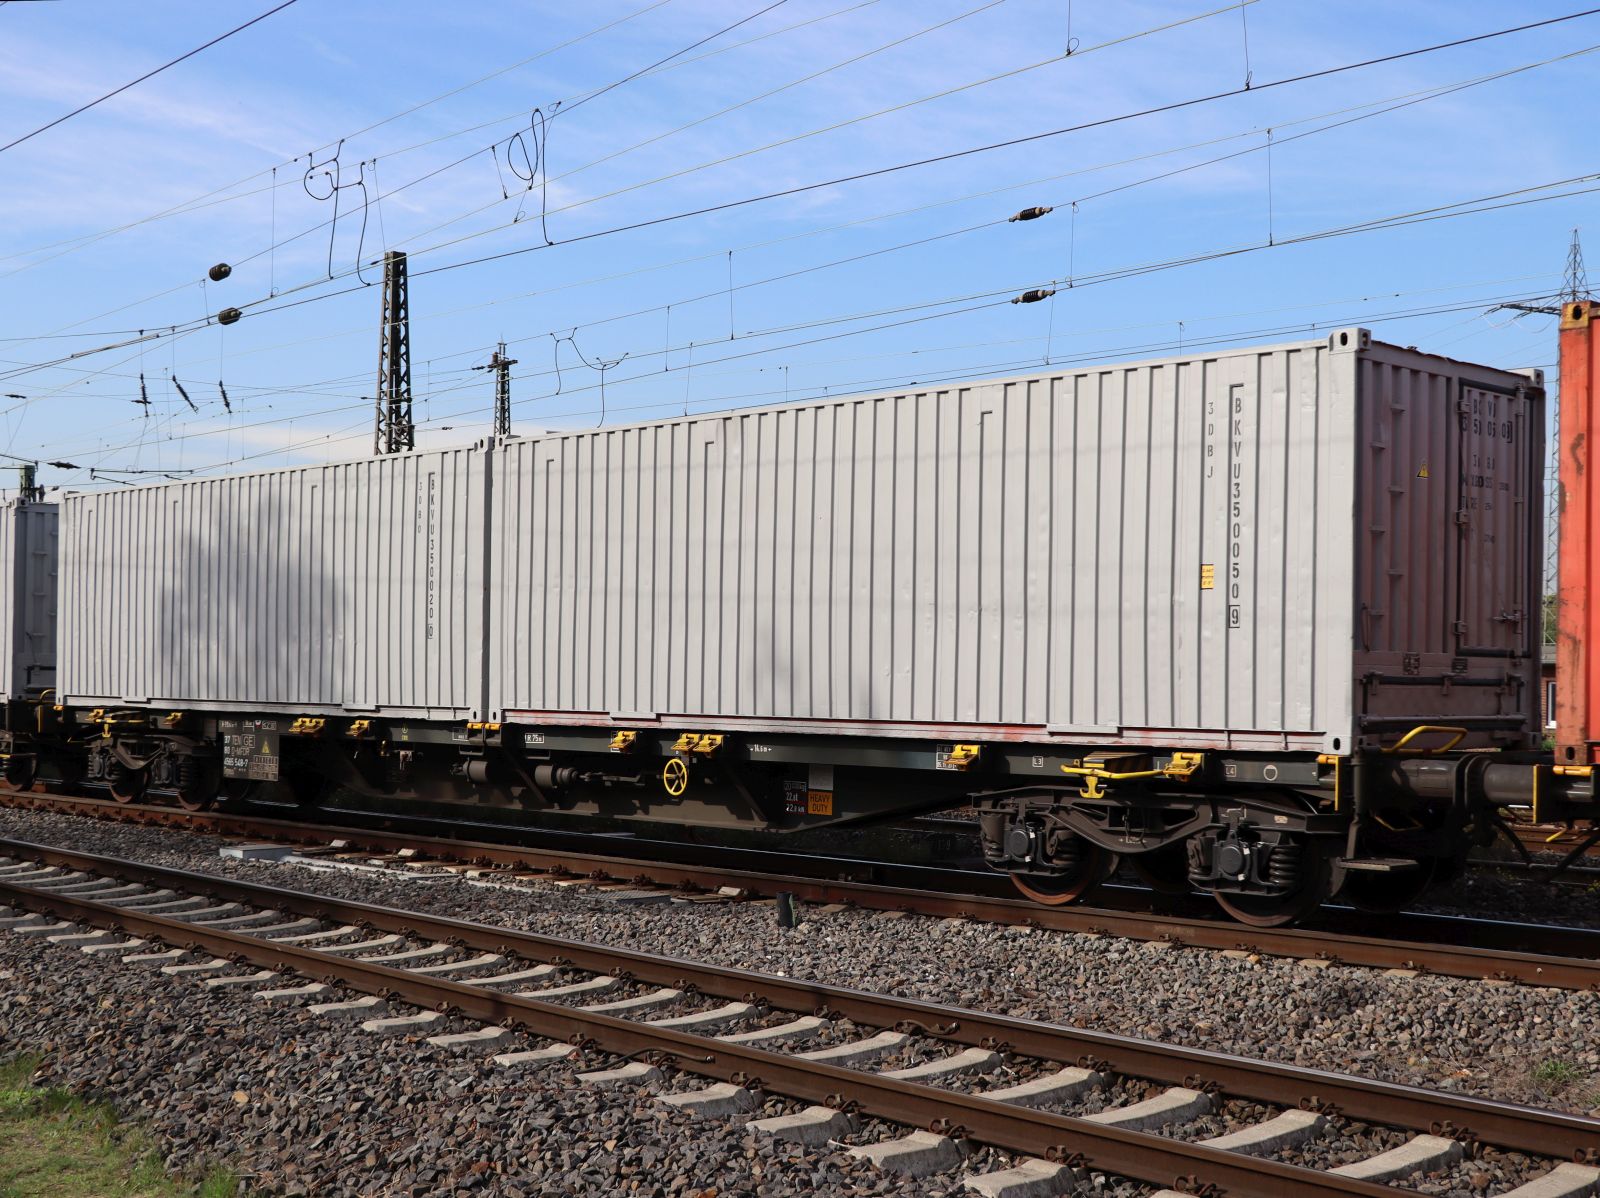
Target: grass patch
55	1145
1556	1074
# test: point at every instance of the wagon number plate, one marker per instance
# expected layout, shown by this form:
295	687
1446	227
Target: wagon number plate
250	749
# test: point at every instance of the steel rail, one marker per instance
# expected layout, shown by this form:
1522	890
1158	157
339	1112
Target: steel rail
1522	1128
1542	955
1547	837
1140	1155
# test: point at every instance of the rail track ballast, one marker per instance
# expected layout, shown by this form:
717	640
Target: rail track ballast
1263	621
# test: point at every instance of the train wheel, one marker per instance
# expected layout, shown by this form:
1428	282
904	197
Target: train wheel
1384	893
1090	866
1164	870
1275	910
194	800
196	783
19	774
127	786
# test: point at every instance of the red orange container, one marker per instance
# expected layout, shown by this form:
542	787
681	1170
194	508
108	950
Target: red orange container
1578	617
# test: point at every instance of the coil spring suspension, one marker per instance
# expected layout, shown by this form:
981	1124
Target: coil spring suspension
185	773
1283	865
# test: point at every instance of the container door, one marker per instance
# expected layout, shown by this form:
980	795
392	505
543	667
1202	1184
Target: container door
1492	598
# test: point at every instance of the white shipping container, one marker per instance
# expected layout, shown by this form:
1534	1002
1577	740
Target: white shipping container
355	587
1313	546
28	596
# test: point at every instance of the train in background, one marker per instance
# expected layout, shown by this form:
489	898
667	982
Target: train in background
1262	622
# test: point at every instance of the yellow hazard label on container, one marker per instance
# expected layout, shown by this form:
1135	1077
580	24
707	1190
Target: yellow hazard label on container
1423	473
1208	577
819	802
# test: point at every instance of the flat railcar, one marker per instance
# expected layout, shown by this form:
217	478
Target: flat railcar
1264	622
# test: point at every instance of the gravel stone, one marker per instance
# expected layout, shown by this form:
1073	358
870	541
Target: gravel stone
327	1111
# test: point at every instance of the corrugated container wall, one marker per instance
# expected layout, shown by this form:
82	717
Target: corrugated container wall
28	596
353	587
1303	546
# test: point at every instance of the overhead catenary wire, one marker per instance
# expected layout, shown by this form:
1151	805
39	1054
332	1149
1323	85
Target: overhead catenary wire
1173	106
219	195
1164	27
863	386
312	388
82	108
1003	296
947	156
999	297
710	37
205	199
793	83
984	148
1372	108
835	126
1073	203
979	149
1100	353
582	99
871	218
566	106
993	299
1397	102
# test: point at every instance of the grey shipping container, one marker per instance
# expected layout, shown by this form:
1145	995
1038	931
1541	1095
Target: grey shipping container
28	596
322	589
1312	546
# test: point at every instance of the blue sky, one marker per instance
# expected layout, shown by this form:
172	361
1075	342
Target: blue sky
855	87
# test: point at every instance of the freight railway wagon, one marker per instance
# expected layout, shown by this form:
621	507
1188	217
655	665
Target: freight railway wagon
1263	622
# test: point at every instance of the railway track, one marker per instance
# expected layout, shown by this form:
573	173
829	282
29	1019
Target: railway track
1552	838
1537	954
252	938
